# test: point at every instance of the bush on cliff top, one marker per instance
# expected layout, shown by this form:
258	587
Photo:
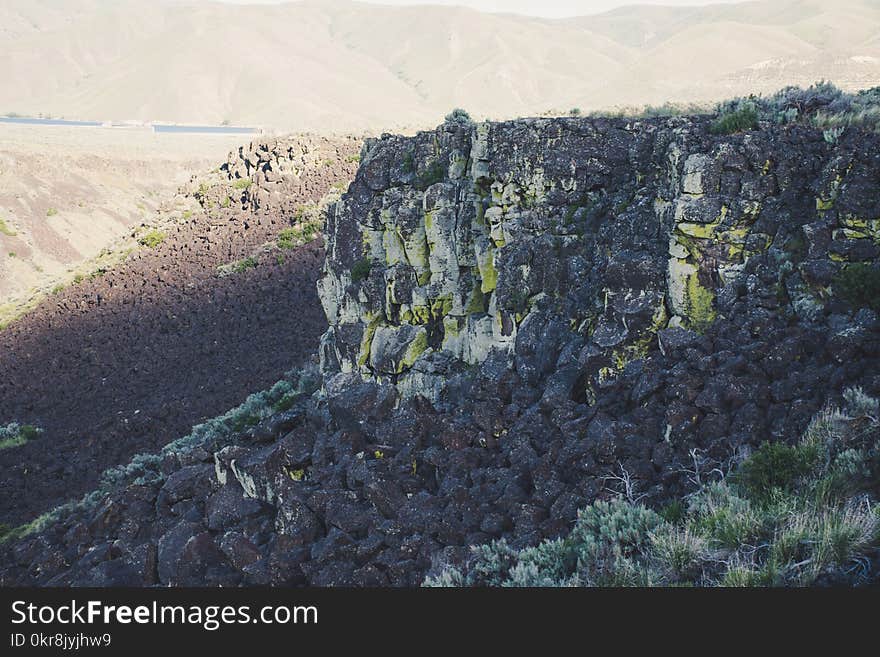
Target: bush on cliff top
821	105
788	516
744	117
458	115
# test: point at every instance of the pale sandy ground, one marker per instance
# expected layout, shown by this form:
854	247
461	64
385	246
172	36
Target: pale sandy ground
67	193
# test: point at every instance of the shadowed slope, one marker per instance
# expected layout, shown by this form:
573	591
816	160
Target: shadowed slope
126	361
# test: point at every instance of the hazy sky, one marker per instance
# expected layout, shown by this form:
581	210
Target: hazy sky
548	8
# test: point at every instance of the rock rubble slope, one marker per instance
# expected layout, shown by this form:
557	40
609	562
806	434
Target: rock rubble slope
127	359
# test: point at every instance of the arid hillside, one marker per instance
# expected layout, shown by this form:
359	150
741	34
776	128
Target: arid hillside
67	193
341	66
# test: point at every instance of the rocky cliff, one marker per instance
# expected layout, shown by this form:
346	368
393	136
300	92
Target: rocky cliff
524	317
601	237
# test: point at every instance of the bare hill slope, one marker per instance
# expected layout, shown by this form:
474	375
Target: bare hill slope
339	66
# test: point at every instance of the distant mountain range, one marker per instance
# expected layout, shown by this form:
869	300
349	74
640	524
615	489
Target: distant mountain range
336	65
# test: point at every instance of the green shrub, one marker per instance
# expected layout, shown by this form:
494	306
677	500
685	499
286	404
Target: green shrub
16	435
360	270
237	266
152	239
51	212
736	120
295	236
40	523
673	511
287	238
598	552
6	230
859	285
29	432
458	115
774	466
725	518
286	402
775	521
821	105
244	264
241	183
679	553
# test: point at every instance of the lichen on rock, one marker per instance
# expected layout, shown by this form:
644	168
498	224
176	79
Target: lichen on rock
618	228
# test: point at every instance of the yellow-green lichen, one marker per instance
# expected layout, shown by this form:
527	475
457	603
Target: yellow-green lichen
639	348
700	303
735	235
297	475
850	234
858	228
458	166
441	306
606	374
420	314
451	327
416	249
393	246
488	273
416	348
451	330
824	204
699	231
480	218
367	341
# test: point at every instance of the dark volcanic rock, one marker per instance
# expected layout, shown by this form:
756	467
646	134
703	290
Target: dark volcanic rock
523	317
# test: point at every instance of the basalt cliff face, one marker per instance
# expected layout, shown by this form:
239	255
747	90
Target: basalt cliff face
584	244
523	317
